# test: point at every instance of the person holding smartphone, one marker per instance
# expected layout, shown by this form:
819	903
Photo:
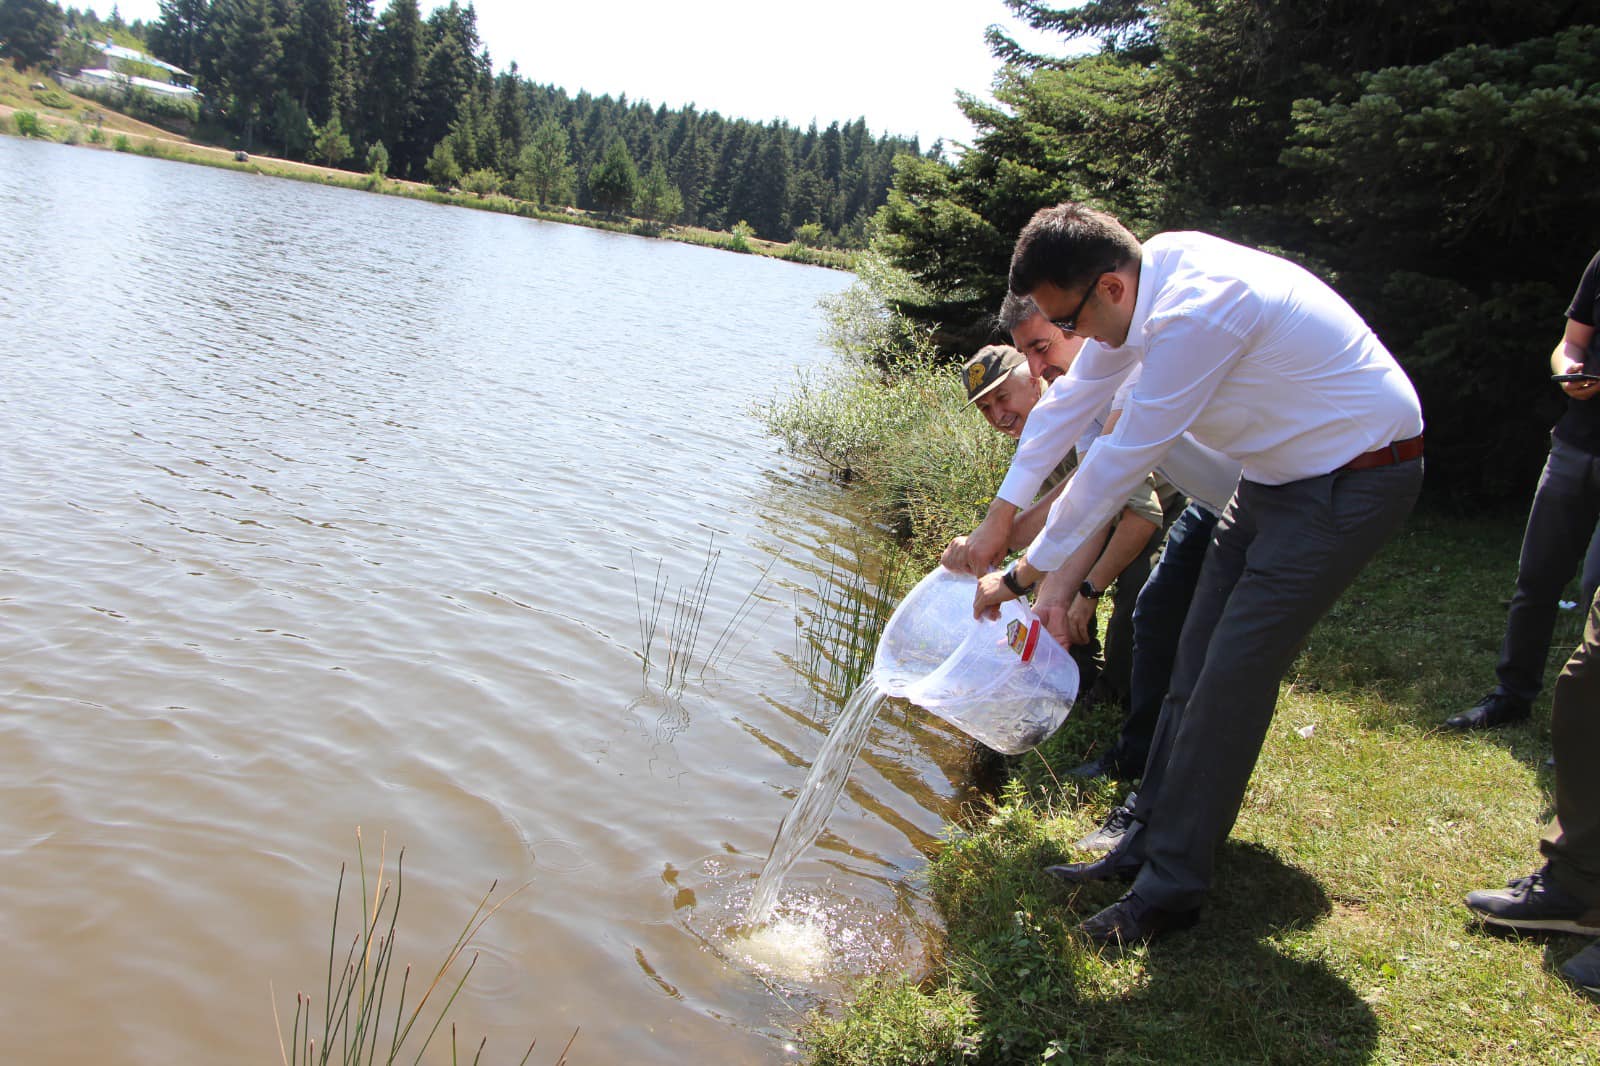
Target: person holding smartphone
1561	522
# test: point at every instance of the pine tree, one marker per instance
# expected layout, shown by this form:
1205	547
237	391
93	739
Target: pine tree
658	199
614	180
390	100
318	57
332	146
177	34
29	30
249	51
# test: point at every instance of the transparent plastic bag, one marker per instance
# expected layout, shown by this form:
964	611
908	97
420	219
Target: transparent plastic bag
1006	683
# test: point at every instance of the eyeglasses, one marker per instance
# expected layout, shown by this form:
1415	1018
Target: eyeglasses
1069	325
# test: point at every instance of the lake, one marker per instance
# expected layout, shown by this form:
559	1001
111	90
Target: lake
325	510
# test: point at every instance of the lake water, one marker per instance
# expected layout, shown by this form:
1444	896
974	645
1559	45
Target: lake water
324	510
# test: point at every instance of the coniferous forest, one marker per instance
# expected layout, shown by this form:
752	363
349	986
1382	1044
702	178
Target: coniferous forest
414	95
1434	160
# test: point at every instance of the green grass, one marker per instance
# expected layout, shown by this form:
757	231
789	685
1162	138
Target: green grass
1335	932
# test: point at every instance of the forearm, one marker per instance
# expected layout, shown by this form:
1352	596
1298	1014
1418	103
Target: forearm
1567	358
1076	567
1569	355
1127	543
1030	521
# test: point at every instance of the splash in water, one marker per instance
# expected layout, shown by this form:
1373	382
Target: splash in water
803	824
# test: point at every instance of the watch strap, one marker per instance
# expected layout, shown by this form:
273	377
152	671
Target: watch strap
1009	576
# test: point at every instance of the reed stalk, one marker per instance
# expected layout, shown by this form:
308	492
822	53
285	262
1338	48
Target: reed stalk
353	1001
683	633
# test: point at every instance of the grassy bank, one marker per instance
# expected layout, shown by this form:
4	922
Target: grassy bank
1335	932
51	113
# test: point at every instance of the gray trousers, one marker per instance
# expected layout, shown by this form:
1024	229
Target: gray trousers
1280	558
1562	526
1572	840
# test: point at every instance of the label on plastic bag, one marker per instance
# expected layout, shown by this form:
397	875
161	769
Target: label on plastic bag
1023	638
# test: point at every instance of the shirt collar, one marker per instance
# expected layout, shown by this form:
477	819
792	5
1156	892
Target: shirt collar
1145	297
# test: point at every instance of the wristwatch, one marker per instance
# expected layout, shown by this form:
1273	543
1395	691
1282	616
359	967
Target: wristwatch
1009	576
1088	591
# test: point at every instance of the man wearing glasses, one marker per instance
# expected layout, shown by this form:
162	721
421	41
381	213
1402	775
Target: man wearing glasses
1256	358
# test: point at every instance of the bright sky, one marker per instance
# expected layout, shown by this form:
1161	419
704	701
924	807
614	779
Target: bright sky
897	62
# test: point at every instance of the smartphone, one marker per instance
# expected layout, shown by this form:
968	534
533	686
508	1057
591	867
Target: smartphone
1558	378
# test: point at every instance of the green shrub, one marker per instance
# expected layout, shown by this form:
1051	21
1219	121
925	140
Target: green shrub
935	481
97	135
168	112
28	124
53	98
740	240
481	182
812	235
925	463
122	144
842	418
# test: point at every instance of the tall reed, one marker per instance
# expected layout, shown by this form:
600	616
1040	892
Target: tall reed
353	1023
682	637
838	637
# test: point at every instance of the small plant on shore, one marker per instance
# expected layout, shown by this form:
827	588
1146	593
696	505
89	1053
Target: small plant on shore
739	240
53	98
122	144
28	124
481	182
97	135
354	1028
895	1022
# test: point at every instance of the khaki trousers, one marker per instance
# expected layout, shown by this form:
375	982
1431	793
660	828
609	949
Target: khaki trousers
1572	840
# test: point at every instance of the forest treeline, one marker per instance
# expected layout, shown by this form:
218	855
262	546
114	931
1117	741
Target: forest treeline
1435	160
416	96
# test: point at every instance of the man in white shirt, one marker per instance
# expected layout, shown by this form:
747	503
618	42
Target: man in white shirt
1189	472
1002	388
1258	359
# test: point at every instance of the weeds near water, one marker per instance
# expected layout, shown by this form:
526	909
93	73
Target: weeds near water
353	1021
28	124
838	639
682	637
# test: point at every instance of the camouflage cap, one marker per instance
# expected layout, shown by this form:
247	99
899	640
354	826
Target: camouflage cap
989	368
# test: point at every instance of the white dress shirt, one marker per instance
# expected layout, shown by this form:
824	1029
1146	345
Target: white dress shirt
1204	475
1250	354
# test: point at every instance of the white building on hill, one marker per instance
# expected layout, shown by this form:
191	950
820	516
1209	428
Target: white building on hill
127	67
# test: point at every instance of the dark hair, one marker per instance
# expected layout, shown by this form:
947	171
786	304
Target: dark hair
1067	245
1014	311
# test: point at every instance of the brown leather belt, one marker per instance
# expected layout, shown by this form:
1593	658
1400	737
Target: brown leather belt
1399	452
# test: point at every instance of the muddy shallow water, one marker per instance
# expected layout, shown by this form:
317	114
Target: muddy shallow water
324	510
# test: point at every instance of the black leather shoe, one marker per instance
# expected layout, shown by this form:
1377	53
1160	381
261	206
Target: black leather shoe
1130	920
1495	709
1115	866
